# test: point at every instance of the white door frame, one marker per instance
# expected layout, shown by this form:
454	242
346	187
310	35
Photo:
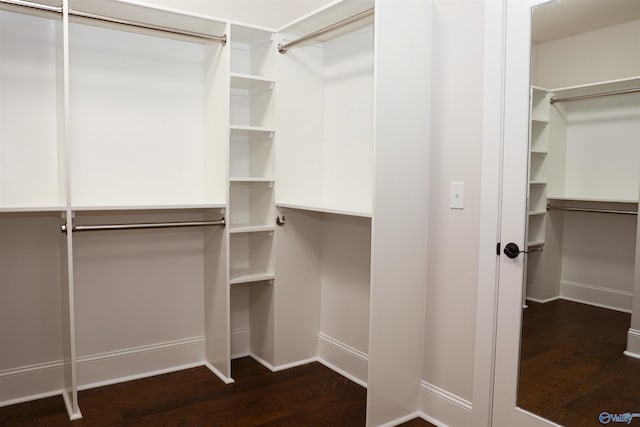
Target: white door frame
505	125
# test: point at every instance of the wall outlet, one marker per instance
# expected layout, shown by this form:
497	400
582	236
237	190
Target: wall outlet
457	195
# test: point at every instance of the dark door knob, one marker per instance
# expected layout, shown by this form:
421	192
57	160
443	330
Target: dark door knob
511	250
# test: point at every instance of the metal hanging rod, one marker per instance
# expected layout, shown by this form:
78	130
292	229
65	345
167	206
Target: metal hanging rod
282	48
58	9
220	39
594	95
138	226
608	211
31	5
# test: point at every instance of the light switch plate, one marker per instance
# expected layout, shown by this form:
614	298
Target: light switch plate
457	195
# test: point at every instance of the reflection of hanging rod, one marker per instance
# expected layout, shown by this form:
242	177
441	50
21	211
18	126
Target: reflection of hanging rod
32	5
282	48
102	227
58	9
609	211
594	95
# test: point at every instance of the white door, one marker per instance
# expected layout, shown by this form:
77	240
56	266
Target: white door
513	211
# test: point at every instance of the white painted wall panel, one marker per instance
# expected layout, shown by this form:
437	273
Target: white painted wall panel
28	116
456	141
137	119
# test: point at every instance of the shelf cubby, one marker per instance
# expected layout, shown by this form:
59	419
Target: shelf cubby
251	257
251	204
252	51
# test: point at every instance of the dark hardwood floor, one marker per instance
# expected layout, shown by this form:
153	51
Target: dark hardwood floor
309	395
572	363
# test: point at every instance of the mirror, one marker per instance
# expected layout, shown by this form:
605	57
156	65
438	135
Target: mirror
580	348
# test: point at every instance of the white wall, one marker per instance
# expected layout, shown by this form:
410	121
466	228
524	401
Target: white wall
605	54
456	139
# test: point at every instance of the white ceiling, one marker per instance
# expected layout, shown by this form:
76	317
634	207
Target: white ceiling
564	18
271	14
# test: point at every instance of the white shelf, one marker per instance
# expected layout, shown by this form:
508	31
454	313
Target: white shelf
537	182
242	275
595	88
248	179
250	133
535	243
323	209
239	229
539	152
251	83
535	213
238	129
148	207
32	208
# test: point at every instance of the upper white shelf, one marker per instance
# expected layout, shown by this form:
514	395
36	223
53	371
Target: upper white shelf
328	15
251	179
148	207
251	130
32	208
321	209
596	88
251	83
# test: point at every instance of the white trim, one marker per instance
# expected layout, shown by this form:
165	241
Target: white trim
77	415
30	398
295	364
403	419
493	94
134	377
444	406
344	359
343	373
544	301
432	420
633	343
219	374
114	367
263	362
598	296
31	368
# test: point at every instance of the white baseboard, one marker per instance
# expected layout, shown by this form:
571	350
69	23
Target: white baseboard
139	362
443	408
344	359
263	362
240	343
32	382
633	343
597	296
543	301
219	374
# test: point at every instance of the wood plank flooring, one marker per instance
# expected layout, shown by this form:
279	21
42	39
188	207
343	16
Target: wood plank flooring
309	395
572	363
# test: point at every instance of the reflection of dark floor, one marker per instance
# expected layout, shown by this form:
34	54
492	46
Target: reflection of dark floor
572	367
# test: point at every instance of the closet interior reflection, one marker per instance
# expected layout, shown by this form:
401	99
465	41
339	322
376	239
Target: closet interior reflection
579	323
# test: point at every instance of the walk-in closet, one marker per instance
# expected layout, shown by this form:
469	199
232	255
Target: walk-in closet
177	190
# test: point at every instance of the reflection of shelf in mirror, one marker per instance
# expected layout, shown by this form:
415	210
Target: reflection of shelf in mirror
592	199
534	213
314	208
535	243
238	229
245	275
251	83
251	179
538	182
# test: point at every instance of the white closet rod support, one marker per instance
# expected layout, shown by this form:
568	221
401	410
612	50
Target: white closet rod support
282	48
138	226
220	39
608	211
594	95
31	5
